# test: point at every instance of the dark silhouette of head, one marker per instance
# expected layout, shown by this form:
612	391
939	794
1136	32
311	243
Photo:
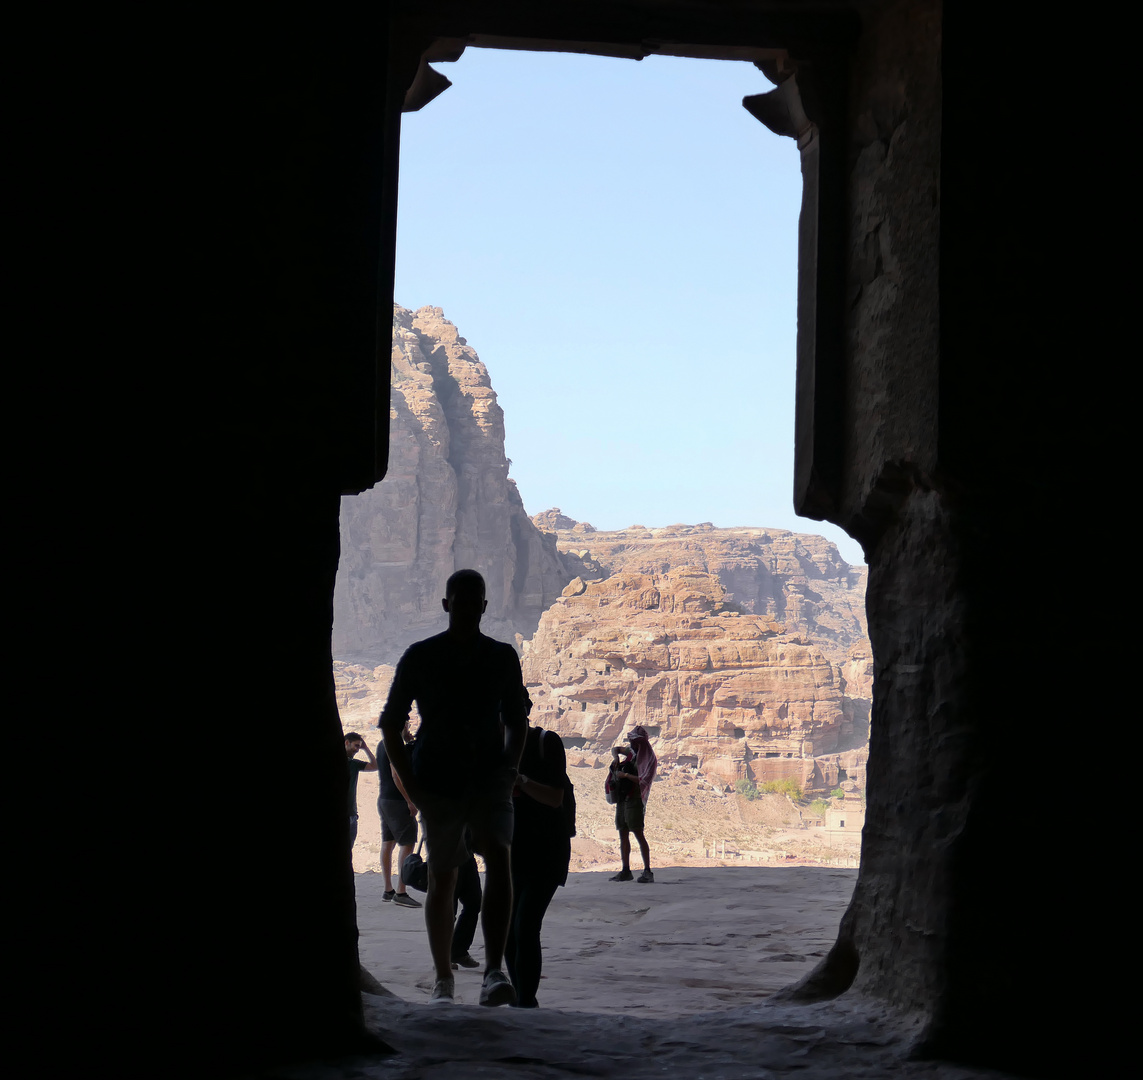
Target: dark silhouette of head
465	603
465	579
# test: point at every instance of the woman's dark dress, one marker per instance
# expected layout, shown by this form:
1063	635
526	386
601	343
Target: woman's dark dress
541	851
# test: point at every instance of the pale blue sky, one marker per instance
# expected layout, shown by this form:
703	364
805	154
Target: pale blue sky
618	241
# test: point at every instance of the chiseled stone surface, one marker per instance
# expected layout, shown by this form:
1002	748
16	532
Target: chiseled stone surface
859	1040
727	693
447	502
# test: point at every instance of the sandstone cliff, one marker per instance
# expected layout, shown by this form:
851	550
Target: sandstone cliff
743	650
446	503
798	578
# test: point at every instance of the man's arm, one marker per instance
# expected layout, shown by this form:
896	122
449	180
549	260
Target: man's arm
392	723
400	761
401	789
514	712
553	769
542	793
372	766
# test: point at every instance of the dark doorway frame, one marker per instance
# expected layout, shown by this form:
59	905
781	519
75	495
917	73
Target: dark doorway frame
806	55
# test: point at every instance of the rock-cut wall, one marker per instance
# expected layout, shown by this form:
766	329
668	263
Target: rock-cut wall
447	502
726	693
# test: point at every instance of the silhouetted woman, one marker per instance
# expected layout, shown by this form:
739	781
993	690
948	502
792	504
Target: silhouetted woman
541	851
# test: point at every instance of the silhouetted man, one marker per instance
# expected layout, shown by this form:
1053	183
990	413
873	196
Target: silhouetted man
354	743
462	770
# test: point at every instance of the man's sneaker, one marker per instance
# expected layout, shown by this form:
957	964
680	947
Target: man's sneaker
387	896
466	961
646	876
497	989
623	875
403	899
442	992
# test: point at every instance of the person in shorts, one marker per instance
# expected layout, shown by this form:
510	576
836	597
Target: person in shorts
398	828
461	770
629	783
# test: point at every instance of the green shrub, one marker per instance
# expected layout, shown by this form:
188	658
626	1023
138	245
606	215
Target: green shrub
789	787
837	793
747	789
819	807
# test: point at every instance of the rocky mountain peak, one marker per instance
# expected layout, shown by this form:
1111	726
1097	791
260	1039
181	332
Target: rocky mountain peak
446	503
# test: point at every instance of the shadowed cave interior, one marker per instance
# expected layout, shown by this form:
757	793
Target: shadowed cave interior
918	347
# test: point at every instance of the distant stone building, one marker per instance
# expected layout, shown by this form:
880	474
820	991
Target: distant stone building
847	814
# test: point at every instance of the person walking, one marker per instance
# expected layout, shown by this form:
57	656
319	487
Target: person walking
541	852
462	770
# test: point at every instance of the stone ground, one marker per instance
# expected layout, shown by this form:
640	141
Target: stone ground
698	939
662	980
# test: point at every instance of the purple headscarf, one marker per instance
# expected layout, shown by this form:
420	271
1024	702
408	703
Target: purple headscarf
645	759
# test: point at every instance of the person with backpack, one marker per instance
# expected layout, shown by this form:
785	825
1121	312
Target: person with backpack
541	851
627	785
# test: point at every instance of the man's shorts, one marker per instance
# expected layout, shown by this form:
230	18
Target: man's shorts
629	814
397	824
487	813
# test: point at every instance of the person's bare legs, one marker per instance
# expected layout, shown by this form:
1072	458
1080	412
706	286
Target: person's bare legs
625	849
402	855
644	850
387	863
438	920
496	910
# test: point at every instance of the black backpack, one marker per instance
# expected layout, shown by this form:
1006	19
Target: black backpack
415	871
567	807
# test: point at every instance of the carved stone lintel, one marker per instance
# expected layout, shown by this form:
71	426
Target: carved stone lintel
427	85
781	110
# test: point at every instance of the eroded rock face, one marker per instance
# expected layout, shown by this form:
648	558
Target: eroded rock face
797	578
446	503
729	693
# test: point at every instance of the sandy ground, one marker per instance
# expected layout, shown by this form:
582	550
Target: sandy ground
671	979
689	823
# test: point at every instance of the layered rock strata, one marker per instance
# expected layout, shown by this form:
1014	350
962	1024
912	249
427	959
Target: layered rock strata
447	502
797	578
729	694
